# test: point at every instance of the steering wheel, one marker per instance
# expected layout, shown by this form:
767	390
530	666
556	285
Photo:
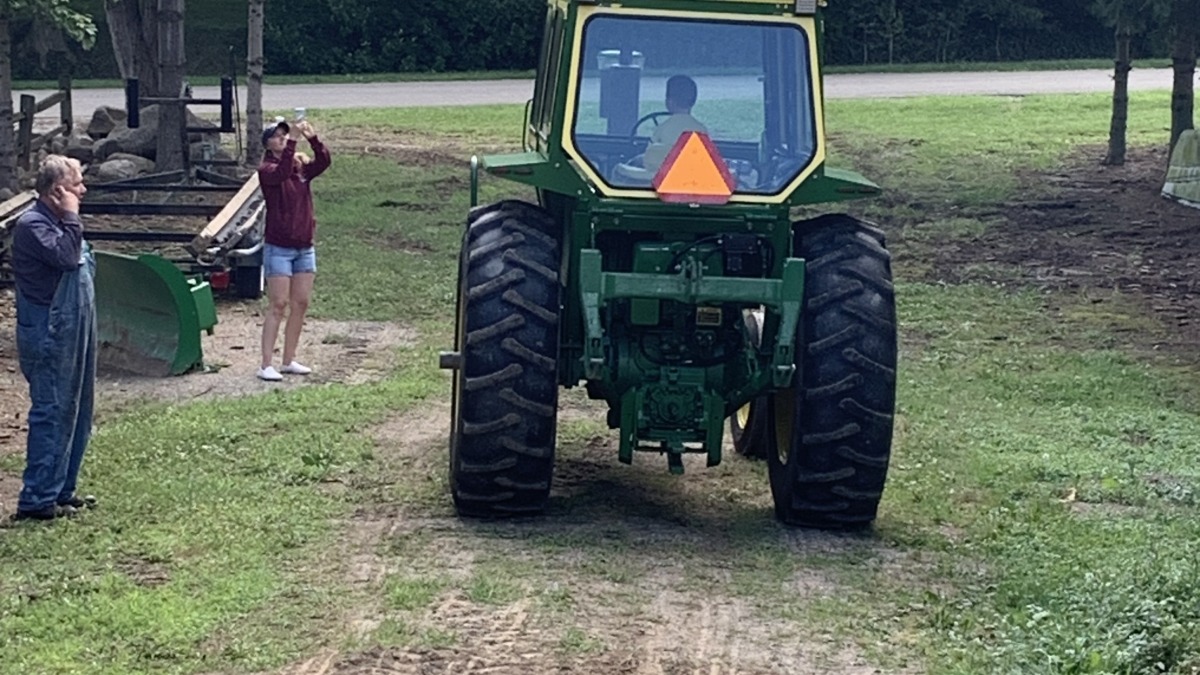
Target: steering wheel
652	117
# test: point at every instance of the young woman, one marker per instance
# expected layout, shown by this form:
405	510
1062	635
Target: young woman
289	256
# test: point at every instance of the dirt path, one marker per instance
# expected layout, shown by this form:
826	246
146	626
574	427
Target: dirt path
619	577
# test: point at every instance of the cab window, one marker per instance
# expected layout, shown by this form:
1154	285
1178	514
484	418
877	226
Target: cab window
645	81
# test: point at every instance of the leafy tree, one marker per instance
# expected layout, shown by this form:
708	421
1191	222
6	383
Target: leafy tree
56	13
1005	18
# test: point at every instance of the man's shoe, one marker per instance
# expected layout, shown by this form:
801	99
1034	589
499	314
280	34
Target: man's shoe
46	513
269	374
77	502
295	368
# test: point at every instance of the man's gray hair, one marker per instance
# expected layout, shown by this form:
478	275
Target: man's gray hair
55	169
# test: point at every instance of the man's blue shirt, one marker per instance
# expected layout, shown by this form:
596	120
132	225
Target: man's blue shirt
44	246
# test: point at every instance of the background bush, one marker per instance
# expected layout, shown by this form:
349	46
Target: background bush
375	36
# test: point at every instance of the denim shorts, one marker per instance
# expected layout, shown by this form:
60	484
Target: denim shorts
284	262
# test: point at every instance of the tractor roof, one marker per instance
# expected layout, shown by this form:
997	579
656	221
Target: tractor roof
794	6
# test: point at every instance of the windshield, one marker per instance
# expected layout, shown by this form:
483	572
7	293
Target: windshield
645	81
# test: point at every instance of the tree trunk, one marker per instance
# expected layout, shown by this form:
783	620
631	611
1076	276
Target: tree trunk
254	82
172	131
133	26
1184	19
8	140
1120	106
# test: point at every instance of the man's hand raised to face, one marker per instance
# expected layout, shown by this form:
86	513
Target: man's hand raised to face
65	199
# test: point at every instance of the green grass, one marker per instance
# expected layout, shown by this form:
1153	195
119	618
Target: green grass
455	127
1001	66
409	593
1068	476
974	151
1040	515
192	561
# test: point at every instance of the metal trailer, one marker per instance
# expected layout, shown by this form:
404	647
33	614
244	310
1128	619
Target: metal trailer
152	309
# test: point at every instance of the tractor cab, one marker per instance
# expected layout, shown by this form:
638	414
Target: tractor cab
620	84
642	81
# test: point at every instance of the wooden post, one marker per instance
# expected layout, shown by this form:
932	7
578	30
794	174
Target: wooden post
25	131
66	111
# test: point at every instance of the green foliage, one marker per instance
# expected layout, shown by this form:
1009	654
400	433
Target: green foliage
61	14
384	36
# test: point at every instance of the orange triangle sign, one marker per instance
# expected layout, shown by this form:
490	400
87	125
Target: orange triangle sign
694	172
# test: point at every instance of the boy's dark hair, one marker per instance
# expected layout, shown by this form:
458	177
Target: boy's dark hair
682	90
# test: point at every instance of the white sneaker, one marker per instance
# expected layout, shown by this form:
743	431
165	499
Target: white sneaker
295	368
269	374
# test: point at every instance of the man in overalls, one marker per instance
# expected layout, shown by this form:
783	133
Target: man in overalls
56	340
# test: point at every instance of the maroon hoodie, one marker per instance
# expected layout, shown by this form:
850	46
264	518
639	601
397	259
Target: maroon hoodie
290	221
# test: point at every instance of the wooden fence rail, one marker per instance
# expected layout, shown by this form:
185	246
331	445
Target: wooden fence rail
27	142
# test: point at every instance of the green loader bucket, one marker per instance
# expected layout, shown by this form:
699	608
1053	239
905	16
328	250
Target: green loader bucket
1183	175
150	315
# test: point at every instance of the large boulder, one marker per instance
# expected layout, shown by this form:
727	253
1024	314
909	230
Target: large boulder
116	169
105	120
143	165
143	141
81	149
58	145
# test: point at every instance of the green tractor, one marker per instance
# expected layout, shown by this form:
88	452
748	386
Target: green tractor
668	141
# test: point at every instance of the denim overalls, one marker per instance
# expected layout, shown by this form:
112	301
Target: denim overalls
57	350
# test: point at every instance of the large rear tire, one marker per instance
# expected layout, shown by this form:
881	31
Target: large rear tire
505	399
833	428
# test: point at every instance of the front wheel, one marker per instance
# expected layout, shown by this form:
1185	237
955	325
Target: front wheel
832	429
505	399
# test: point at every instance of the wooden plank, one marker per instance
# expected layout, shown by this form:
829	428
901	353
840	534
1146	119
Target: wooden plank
227	214
12	209
51	101
38	141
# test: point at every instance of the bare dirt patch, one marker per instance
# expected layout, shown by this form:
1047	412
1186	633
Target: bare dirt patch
411	148
1105	230
350	352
